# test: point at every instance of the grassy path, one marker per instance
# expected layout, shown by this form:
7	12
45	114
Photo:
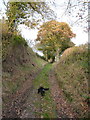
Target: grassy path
46	103
37	106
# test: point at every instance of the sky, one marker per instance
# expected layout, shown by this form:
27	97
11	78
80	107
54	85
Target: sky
81	36
59	9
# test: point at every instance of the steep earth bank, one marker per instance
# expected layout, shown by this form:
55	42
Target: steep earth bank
72	75
20	66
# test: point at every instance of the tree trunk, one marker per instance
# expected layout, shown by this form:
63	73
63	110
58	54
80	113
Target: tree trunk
46	56
57	55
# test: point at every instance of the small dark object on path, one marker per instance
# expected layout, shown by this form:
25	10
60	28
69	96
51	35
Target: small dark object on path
42	90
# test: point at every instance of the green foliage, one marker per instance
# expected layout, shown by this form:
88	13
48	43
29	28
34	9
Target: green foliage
18	40
6	38
9	39
54	38
19	12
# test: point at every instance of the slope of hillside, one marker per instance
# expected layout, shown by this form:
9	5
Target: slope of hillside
19	67
72	76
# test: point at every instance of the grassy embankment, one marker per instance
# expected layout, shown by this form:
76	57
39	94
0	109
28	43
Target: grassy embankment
72	76
46	103
19	64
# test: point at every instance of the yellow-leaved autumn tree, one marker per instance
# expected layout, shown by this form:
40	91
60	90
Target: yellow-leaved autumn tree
54	37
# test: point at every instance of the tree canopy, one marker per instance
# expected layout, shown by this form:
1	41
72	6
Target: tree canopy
28	13
54	37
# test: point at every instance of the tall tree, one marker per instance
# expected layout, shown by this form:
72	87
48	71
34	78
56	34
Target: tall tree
27	12
54	37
